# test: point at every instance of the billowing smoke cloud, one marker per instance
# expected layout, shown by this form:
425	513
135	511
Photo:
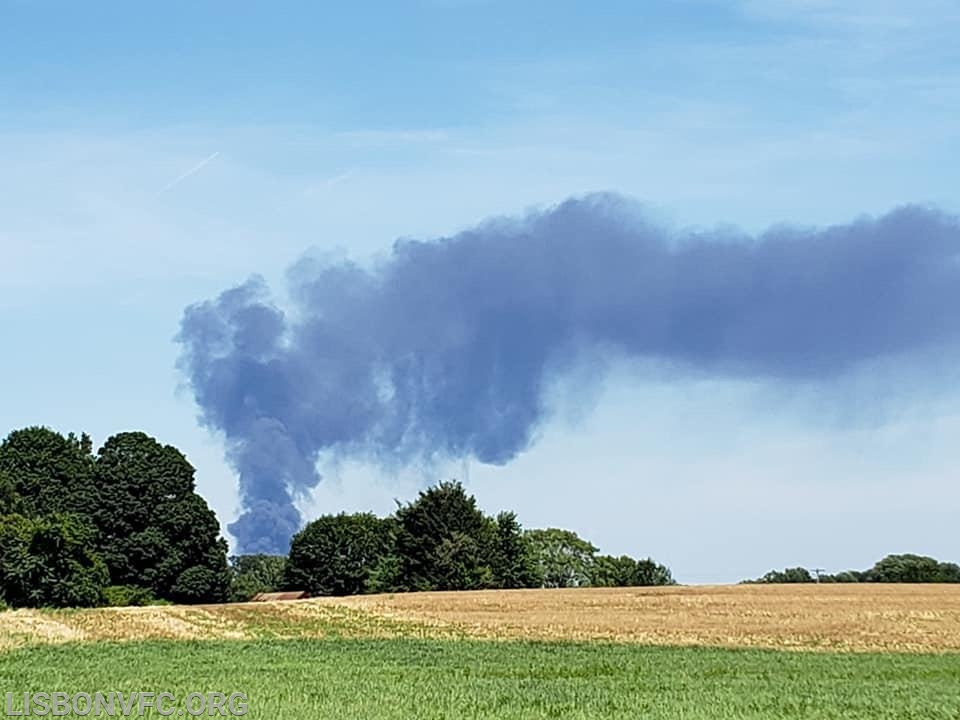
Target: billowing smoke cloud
444	348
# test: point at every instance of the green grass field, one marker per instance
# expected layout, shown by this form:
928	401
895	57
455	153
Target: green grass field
409	678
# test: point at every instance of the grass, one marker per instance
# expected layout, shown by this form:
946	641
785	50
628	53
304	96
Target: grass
383	679
691	652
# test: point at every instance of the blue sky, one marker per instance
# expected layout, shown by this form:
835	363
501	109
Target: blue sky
343	128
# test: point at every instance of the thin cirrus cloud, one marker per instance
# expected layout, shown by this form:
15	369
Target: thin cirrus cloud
189	173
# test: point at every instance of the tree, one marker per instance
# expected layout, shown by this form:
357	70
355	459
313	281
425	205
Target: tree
650	573
948	573
609	571
513	563
563	559
444	541
624	571
49	473
50	562
336	554
905	569
253	574
155	531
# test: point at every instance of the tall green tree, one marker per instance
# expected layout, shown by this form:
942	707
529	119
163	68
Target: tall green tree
513	563
337	554
444	541
563	559
155	530
49	473
49	561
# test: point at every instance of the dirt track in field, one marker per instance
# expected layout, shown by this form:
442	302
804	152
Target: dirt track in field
906	618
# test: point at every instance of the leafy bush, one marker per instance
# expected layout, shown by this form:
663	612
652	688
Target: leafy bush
198	584
50	562
128	595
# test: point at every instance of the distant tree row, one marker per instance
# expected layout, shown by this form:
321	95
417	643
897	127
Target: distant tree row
891	569
440	541
123	525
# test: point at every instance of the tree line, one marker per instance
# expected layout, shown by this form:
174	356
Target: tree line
439	541
125	526
906	568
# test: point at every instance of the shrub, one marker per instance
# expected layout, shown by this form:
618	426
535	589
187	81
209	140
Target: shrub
128	595
49	562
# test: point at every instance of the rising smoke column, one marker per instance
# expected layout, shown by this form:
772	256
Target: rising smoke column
444	348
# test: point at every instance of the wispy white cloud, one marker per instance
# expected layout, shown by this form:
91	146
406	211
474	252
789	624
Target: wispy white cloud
192	171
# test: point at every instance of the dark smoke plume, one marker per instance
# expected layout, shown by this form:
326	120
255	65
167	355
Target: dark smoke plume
444	348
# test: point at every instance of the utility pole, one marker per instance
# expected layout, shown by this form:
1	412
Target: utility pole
816	572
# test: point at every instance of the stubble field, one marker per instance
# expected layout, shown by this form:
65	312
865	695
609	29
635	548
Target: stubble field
856	618
840	651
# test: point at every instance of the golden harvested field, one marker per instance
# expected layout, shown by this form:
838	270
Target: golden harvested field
905	618
913	618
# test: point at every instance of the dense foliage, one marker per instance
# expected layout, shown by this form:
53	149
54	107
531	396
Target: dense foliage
155	530
336	554
122	526
443	541
563	559
50	561
45	473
